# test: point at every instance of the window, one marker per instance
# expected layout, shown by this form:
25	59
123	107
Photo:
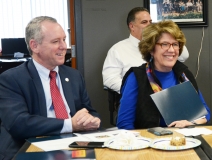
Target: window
16	14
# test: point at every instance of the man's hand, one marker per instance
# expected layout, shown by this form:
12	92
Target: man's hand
83	121
93	124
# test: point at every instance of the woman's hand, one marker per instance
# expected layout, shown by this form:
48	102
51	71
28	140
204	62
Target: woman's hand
180	124
184	123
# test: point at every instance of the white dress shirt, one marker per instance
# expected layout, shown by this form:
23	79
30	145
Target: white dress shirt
44	76
121	57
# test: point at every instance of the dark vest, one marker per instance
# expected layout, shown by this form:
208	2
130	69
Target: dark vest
147	114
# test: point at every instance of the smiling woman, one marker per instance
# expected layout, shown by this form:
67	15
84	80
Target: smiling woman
160	47
165	54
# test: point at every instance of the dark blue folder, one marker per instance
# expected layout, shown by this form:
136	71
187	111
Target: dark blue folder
180	102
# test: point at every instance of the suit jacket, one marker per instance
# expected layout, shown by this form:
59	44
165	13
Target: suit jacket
23	106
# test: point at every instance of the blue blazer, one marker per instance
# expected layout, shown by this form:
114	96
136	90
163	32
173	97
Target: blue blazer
23	105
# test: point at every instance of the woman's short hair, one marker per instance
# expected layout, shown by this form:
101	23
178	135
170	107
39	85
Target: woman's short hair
152	33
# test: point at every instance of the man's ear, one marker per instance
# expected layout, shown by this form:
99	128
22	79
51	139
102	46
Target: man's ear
34	46
131	26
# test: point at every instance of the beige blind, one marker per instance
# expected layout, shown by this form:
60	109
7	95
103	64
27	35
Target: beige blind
15	14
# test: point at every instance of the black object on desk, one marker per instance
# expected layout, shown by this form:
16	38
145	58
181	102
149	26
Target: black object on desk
86	144
159	131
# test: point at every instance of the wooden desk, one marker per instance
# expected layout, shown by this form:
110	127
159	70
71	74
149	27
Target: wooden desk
208	138
147	154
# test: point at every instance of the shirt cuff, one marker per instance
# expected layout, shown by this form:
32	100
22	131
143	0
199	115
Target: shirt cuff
67	126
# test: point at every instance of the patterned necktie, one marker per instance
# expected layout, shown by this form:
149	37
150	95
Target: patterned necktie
59	106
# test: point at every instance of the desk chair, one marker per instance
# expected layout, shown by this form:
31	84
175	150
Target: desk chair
114	102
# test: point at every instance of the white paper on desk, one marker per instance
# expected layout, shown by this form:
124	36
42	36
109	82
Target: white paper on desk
58	144
194	131
103	136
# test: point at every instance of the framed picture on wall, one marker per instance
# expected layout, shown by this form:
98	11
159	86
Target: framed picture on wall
186	13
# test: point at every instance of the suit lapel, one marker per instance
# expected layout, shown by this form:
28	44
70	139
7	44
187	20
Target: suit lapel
67	89
39	88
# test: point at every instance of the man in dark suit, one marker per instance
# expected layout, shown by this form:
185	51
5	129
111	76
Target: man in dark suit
26	104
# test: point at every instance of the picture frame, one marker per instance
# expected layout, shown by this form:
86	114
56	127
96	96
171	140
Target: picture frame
186	13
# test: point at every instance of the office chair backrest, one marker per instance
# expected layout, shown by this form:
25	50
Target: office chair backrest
114	102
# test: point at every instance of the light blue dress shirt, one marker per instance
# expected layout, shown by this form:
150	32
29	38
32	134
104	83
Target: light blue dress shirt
44	76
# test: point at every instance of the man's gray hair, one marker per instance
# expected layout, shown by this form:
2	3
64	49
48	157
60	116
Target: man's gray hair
33	30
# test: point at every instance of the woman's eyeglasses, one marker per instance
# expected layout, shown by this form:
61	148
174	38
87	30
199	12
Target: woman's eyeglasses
168	45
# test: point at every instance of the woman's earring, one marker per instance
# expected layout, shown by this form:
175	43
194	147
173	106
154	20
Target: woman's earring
151	59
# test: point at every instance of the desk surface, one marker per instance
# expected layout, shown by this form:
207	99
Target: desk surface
147	154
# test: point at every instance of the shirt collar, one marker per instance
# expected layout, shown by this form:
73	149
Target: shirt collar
42	71
134	40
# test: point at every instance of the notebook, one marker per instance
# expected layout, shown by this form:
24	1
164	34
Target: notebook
180	102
